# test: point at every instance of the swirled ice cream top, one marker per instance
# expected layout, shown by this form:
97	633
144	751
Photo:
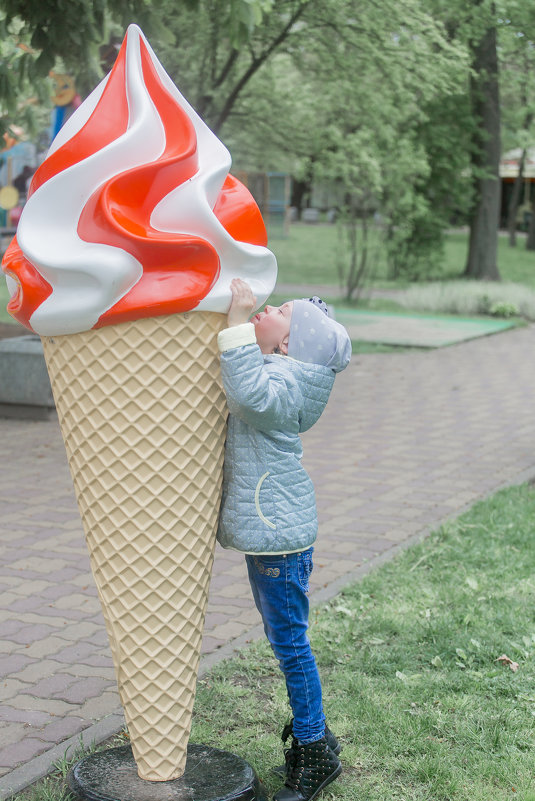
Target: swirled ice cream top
133	213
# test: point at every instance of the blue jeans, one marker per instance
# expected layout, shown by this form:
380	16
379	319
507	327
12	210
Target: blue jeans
279	584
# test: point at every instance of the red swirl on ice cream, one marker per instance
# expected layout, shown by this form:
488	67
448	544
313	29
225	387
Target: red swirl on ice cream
133	213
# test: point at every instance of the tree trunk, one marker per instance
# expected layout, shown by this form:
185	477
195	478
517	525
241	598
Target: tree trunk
514	201
482	253
301	194
530	241
300	191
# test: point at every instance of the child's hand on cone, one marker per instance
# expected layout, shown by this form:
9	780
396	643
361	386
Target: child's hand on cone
243	302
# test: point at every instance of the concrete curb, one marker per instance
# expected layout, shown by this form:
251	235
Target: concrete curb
41	766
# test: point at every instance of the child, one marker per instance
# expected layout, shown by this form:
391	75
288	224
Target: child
278	371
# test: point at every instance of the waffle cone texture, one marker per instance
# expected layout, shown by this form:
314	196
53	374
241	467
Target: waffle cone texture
143	414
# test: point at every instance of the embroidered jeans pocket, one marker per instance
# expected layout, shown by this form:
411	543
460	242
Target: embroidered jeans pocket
265	568
304	568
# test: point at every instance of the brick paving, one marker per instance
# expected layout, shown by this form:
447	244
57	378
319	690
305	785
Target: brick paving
408	439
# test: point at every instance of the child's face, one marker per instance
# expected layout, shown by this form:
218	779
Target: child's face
272	327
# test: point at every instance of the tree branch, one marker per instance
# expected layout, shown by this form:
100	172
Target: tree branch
255	66
233	55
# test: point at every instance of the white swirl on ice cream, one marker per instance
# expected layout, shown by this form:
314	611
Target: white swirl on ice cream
133	213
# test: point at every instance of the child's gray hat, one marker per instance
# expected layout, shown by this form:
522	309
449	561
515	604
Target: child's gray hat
315	337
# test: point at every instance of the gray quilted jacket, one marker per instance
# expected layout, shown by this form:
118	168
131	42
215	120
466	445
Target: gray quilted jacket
268	503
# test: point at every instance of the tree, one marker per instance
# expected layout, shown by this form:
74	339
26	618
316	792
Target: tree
213	49
481	25
380	99
365	86
213	58
36	35
392	67
222	42
23	102
486	149
517	79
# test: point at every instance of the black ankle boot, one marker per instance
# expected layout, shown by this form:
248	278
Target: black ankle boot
332	742
288	730
309	768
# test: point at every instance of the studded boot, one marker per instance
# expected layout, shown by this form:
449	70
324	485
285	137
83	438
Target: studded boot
309	768
288	730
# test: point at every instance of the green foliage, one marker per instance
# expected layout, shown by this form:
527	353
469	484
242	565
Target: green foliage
52	30
221	47
517	74
370	99
503	309
24	101
202	40
378	148
242	17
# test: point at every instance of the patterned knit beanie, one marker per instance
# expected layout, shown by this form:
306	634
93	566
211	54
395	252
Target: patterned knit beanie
316	338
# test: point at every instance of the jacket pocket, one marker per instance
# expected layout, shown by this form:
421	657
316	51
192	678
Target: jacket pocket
259	512
304	568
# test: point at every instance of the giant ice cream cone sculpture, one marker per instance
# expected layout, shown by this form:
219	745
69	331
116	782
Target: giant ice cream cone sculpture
122	263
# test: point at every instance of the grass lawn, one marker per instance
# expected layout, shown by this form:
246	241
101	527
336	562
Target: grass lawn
307	256
515	264
414	660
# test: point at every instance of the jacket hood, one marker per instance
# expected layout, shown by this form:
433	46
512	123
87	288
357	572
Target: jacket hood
315	382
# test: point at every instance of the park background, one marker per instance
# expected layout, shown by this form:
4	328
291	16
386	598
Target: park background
396	122
402	134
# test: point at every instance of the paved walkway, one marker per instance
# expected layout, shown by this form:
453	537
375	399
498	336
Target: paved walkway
407	440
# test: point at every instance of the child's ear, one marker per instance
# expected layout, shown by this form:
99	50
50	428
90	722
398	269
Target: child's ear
283	347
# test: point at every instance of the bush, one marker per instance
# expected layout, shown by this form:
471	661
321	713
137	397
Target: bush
502	309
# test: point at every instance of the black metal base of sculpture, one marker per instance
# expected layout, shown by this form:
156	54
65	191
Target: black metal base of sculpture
210	775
